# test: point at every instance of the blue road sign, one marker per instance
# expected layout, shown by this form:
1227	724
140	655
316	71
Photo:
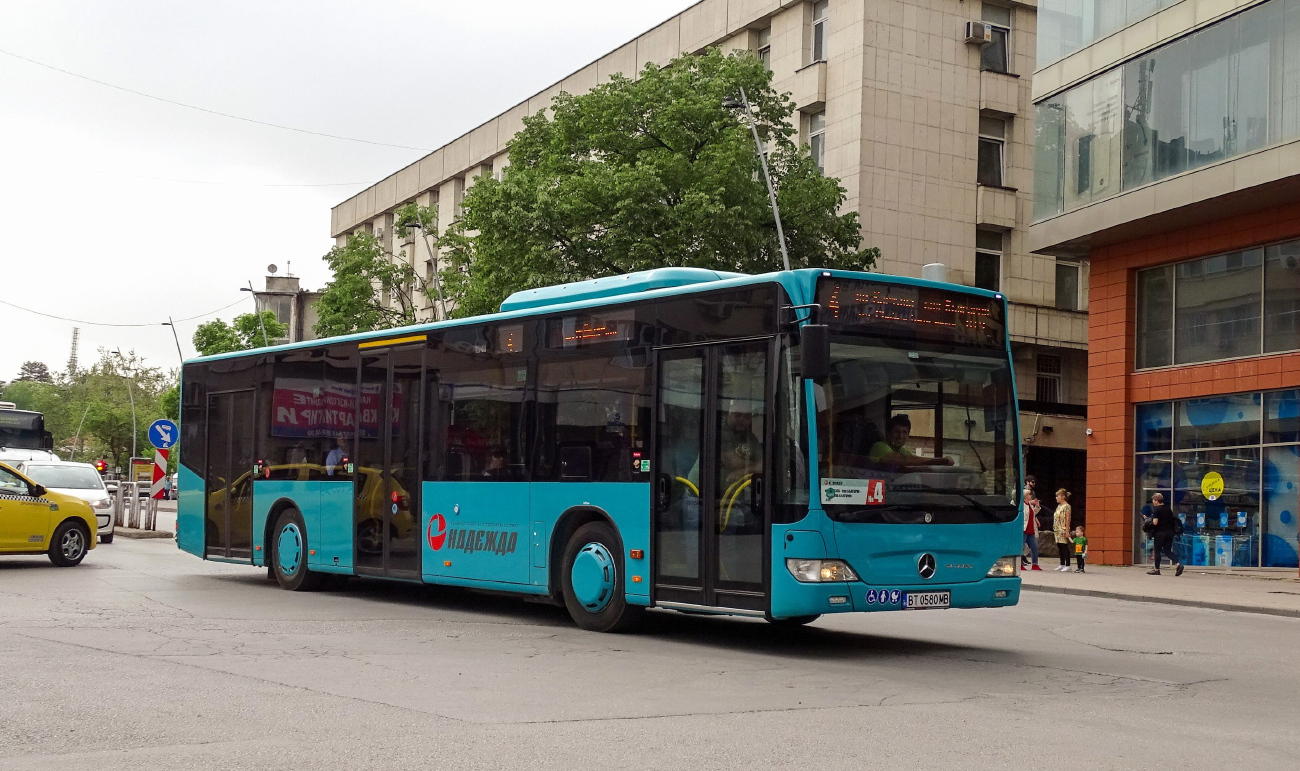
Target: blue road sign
163	434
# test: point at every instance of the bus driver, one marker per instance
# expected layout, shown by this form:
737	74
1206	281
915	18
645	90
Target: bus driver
893	449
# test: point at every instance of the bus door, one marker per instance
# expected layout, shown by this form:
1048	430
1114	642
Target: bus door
711	450
228	514
386	508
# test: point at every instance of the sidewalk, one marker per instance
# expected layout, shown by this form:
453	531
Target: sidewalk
1270	592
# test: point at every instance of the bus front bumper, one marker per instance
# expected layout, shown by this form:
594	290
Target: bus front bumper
812	599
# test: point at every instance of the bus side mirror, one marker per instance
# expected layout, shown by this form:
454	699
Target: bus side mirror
47	441
815	351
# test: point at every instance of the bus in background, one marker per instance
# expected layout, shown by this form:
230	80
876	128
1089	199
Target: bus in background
23	435
779	446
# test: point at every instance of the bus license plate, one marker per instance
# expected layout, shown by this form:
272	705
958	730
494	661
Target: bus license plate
926	600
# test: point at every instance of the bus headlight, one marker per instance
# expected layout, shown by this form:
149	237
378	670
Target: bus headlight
819	571
1004	568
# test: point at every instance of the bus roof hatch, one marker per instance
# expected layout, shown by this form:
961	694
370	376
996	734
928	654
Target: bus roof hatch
612	286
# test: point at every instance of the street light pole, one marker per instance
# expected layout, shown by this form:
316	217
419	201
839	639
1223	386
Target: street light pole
767	178
257	308
433	274
77	438
130	393
172	324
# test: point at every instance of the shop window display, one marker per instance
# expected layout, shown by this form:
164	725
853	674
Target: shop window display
1233	477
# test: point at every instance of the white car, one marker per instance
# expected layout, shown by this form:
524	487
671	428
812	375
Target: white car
77	479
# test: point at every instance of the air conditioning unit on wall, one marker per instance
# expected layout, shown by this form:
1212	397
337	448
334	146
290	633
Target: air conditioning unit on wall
979	33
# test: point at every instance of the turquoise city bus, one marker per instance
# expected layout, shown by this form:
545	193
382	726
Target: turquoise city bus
779	446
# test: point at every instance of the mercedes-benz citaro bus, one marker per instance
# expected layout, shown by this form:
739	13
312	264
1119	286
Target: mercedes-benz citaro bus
779	446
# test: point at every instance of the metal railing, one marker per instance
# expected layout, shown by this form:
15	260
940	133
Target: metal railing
133	511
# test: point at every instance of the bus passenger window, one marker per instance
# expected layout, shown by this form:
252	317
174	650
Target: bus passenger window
483	423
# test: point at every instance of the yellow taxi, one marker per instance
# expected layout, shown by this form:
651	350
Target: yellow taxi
34	520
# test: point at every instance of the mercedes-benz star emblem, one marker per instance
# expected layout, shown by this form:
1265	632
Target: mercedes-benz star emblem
925	566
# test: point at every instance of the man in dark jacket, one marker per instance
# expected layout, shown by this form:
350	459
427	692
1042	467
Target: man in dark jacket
1163	527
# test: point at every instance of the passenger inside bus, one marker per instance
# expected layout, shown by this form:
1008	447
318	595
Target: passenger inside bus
495	465
741	451
336	456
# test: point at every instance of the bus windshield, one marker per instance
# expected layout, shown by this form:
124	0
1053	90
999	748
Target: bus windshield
912	431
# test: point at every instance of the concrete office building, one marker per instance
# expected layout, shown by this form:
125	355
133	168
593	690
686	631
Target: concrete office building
1167	156
931	135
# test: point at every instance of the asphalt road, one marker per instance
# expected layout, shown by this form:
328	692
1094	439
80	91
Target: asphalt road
147	658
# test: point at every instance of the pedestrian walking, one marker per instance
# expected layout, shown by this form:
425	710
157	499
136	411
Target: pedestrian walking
1163	526
1080	547
1061	528
1031	507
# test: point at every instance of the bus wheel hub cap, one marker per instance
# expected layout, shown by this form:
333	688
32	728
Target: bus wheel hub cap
593	577
288	550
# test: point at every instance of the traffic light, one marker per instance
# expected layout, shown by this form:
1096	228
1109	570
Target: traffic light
101	467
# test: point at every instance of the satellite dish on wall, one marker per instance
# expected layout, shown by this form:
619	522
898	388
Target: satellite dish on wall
271	269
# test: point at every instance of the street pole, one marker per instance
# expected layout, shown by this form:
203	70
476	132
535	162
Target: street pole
257	308
77	437
130	393
172	324
767	178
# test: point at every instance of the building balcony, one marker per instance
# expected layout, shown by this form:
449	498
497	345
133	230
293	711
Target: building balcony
995	207
809	88
999	93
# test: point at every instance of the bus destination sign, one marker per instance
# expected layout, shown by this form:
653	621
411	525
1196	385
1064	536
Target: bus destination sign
911	312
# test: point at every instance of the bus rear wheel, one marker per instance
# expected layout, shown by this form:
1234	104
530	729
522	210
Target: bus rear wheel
591	577
289	554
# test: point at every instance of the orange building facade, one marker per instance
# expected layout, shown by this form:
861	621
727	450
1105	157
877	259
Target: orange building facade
1116	386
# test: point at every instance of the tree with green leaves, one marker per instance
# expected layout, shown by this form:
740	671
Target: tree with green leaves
35	371
242	334
648	173
88	412
100	395
374	288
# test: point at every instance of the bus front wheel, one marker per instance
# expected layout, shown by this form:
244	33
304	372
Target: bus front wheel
592	580
289	554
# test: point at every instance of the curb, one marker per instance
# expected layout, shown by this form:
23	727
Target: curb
1227	606
130	532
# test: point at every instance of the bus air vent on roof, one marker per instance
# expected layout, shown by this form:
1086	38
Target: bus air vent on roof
612	286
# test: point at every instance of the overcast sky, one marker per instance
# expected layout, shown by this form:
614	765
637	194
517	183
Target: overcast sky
119	208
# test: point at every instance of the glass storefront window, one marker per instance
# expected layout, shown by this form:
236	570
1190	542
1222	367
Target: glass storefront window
1281	490
1216	495
1154	427
1154	474
1218	421
1237	491
1217	307
1282	417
